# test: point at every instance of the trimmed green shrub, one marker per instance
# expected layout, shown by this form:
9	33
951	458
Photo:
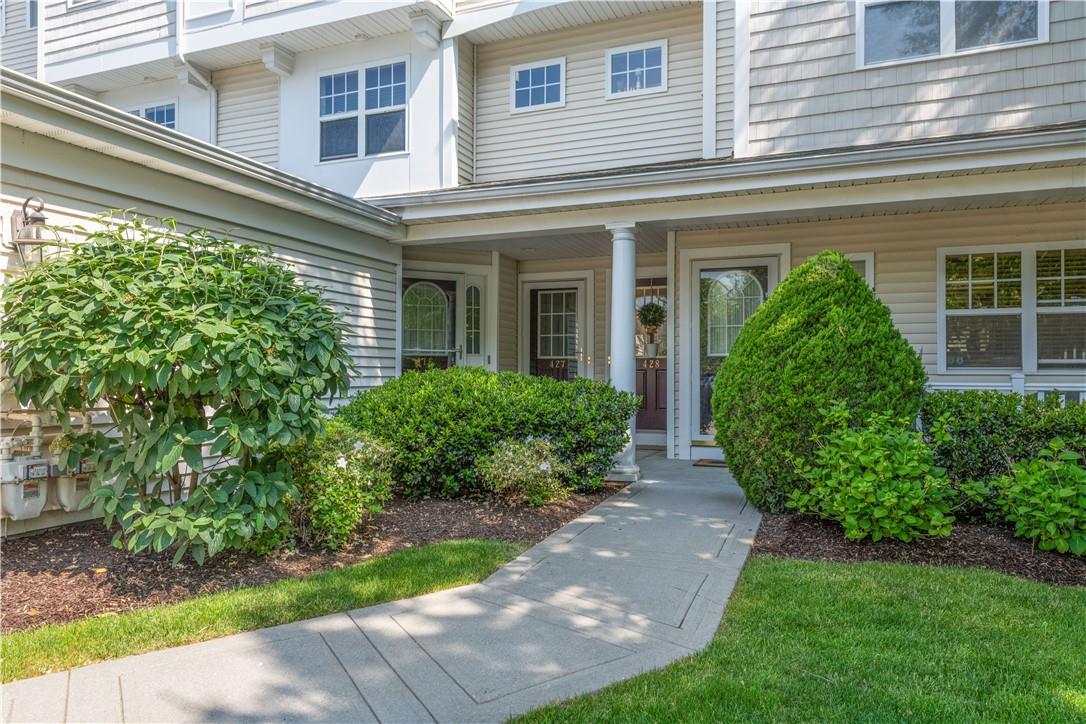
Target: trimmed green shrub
438	422
1045	498
524	471
342	477
821	337
878	481
989	431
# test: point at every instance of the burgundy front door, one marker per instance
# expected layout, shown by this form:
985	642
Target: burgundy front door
652	386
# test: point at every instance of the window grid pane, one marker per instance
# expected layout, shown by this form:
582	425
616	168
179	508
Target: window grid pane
426	319
983	281
164	115
474	323
899	30
339	93
386	86
557	335
1061	278
635	70
538	86
979	23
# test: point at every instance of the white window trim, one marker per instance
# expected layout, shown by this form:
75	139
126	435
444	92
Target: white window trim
1028	311
560	103
947	35
868	258
360	155
662	88
140	111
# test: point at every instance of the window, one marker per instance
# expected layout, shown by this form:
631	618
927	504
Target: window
473	324
729	297
637	69
538	85
164	114
32	13
339	115
386	104
557	335
1013	308
902	30
863	262
425	319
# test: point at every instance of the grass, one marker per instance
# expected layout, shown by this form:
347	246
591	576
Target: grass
405	573
873	642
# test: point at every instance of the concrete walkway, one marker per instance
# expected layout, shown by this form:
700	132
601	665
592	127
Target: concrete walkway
635	583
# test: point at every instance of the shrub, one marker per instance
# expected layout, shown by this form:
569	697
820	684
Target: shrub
989	431
524	471
879	480
438	422
341	478
163	327
821	337
1045	498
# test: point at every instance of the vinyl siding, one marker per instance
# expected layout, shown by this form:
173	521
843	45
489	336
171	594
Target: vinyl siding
725	76
465	98
590	132
905	260
508	302
256	8
19	45
806	93
98	27
248	113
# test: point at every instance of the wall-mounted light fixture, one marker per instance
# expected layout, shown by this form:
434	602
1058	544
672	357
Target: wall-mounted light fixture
31	233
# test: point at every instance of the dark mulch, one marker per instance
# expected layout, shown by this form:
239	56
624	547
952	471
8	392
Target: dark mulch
74	572
814	539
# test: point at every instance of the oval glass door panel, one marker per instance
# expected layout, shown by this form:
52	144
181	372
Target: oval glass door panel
428	315
728	298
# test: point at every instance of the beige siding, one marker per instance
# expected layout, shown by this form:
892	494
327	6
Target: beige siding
19	45
725	76
248	113
508	302
97	27
590	132
465	130
806	93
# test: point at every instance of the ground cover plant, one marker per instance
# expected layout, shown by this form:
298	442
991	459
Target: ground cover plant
439	422
163	326
821	337
406	573
874	642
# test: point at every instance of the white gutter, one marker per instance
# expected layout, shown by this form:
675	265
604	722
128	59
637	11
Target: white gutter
189	69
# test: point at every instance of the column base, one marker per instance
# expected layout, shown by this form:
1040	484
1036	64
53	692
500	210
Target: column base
623	474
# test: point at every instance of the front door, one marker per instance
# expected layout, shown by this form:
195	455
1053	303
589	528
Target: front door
729	291
651	350
443	321
555	331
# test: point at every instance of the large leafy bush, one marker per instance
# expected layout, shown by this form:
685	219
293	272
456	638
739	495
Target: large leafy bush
1045	498
439	421
879	480
821	337
524	471
207	354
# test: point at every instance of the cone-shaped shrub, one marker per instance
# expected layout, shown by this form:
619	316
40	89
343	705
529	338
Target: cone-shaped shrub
822	336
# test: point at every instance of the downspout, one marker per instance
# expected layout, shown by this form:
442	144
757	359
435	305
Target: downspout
205	81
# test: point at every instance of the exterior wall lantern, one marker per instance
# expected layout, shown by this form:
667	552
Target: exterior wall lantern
31	233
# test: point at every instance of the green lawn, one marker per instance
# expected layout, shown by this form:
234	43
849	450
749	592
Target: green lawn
406	573
871	642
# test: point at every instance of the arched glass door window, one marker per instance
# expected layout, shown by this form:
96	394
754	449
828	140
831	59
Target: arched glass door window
473	323
730	299
426	320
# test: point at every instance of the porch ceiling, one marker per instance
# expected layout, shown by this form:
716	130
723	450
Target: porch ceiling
504	21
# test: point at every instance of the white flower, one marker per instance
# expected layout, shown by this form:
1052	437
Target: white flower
341	463
545	466
358	446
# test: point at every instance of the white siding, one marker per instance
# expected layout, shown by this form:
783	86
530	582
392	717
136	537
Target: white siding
256	8
19	45
248	113
806	92
97	27
465	130
725	76
590	132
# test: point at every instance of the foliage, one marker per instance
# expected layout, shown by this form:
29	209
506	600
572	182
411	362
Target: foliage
402	574
342	477
990	431
201	348
651	315
438	422
822	336
1045	498
867	642
524	471
878	481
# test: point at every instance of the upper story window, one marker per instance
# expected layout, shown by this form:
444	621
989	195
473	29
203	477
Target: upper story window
894	31
538	85
637	69
384	110
164	114
1013	308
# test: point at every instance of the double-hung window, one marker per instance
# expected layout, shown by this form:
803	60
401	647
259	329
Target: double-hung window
164	114
339	115
538	85
637	69
893	31
1013	308
381	104
386	108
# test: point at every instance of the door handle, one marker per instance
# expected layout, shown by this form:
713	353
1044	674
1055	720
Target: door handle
460	351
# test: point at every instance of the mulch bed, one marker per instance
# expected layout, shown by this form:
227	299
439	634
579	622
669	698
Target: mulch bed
814	539
74	572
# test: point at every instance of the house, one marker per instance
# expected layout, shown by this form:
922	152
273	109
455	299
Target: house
521	165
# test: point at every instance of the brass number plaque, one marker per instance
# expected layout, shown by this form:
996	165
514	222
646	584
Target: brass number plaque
557	364
652	364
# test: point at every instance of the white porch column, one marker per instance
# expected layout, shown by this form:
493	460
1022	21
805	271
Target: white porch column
623	363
